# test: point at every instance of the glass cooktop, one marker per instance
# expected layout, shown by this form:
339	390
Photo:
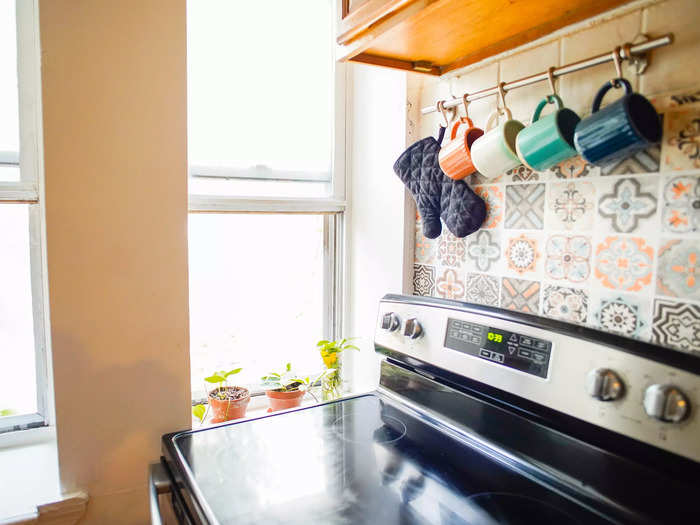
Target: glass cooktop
359	461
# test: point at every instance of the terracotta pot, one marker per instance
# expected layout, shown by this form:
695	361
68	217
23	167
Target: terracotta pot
229	409
283	400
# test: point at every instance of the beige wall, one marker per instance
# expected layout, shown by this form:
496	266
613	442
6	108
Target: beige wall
114	102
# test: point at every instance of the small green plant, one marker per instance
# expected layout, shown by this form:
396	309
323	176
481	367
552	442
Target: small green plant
7	412
289	381
330	353
221	379
199	411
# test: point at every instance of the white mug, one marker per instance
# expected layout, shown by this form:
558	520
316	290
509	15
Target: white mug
494	152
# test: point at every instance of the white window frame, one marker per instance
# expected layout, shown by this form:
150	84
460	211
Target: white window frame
30	190
333	207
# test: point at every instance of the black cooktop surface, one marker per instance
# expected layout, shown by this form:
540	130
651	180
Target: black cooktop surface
359	461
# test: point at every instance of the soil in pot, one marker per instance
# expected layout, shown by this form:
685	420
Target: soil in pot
229	402
282	400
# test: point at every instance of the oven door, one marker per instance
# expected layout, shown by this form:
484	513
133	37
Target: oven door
167	507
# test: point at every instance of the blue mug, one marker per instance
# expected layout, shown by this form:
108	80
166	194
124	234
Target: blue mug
618	130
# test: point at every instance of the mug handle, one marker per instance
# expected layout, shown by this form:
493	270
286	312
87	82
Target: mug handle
549	99
494	116
607	86
462	120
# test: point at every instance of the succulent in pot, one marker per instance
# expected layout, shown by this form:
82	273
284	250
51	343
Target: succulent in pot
287	389
226	402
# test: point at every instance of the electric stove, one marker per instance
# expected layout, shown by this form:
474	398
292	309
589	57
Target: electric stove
482	416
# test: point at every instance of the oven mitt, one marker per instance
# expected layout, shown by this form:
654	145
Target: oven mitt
436	195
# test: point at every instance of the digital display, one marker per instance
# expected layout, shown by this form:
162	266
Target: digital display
520	352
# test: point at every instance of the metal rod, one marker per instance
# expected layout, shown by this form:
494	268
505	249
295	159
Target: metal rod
637	49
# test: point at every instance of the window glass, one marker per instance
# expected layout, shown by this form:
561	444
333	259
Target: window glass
9	104
256	294
17	355
260	84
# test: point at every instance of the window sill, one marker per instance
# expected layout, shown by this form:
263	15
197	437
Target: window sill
28	473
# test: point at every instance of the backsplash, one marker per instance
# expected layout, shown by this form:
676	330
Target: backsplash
617	248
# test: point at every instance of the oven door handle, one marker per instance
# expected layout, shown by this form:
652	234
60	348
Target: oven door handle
158	483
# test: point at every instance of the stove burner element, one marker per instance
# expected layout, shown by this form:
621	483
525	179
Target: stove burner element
502	508
369	427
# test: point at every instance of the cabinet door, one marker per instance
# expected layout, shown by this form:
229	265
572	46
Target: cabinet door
356	16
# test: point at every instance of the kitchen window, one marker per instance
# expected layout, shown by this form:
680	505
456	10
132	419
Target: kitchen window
24	376
266	143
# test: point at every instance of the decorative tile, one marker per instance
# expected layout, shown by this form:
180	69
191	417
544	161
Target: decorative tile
484	249
678	272
645	161
523	174
628	203
681	211
624	263
482	289
683	98
451	250
493	198
622	314
522	254
568	304
478	178
677	325
423	280
521	295
680	149
425	249
570	206
574	168
568	258
449	286
525	206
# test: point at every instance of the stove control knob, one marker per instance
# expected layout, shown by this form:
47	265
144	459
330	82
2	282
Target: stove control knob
604	384
390	322
666	403
412	328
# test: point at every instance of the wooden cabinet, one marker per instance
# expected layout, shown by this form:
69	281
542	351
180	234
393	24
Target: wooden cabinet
437	36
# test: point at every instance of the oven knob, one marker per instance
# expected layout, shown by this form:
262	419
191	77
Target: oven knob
604	384
390	322
666	403
412	328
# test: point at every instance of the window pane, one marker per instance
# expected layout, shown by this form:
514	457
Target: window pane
256	294
260	77
17	355
9	103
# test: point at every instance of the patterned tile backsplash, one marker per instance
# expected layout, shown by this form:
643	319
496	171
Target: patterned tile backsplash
617	248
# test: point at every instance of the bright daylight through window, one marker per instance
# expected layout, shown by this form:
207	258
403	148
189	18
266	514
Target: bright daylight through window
23	376
266	186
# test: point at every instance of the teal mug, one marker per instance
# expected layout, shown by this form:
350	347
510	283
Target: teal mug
548	140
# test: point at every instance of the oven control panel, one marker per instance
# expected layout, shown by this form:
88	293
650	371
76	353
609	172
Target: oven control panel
625	392
517	351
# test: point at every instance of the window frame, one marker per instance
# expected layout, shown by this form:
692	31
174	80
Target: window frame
333	207
30	190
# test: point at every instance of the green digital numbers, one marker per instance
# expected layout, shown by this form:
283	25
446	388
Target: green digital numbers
496	338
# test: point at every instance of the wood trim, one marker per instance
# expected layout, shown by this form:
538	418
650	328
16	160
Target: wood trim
529	35
355	22
394	63
65	512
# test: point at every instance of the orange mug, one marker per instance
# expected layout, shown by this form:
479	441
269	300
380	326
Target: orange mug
455	157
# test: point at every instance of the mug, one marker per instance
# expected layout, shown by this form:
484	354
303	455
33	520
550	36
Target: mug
549	140
627	125
455	157
494	153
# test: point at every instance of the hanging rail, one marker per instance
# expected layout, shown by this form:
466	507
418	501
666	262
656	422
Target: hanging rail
627	51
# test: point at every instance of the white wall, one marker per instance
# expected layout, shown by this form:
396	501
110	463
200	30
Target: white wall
114	100
376	244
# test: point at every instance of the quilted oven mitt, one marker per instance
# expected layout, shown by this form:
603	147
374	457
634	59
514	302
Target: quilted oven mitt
436	195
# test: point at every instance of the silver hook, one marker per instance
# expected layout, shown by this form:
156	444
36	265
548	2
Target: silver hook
465	101
550	76
618	66
441	109
502	96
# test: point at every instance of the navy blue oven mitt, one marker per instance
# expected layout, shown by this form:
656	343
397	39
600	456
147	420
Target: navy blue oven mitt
436	195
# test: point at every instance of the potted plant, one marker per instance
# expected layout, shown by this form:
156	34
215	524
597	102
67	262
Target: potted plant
287	389
331	351
226	402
